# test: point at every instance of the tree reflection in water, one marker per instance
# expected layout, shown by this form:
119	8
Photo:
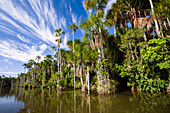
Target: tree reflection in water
157	102
53	101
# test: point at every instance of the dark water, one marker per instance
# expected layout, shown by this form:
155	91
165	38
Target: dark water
18	100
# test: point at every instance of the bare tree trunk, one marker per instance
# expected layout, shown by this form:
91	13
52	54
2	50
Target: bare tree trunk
156	23
81	75
98	71
168	21
165	25
58	61
88	79
60	66
101	43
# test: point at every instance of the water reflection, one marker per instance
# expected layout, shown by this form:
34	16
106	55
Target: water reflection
53	101
157	102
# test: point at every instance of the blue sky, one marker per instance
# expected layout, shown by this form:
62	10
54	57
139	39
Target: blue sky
27	29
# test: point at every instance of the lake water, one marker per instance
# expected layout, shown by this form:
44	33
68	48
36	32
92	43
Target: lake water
18	100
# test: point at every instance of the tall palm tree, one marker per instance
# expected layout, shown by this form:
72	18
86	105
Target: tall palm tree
99	6
74	28
25	66
53	48
94	30
59	32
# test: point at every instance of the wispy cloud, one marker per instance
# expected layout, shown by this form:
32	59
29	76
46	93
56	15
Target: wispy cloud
8	72
64	45
28	20
23	38
74	18
37	20
19	51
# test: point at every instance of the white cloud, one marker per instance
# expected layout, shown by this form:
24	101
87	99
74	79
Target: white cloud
63	22
23	38
19	51
64	43
74	18
36	21
8	72
70	8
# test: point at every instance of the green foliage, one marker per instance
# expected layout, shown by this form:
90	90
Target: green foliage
132	52
151	71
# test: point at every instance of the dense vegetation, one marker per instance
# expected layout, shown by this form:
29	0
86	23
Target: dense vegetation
7	81
137	54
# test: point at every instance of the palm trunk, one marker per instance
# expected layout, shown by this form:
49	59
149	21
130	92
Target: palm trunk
60	66
145	39
74	63
165	25
58	61
101	43
99	71
168	21
156	23
44	77
88	79
81	81
81	75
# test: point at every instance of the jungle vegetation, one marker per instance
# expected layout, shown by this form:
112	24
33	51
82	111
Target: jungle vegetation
7	81
136	54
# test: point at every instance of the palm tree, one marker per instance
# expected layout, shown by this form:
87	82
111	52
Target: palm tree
99	6
53	48
25	66
31	69
74	28
59	32
94	30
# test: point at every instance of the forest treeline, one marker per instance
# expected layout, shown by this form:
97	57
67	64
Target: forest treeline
7	81
136	54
